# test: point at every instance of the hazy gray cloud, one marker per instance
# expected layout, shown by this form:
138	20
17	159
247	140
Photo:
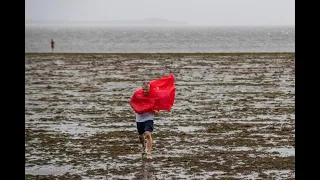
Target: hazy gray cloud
197	12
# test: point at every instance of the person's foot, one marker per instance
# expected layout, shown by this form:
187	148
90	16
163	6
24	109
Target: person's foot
144	150
148	155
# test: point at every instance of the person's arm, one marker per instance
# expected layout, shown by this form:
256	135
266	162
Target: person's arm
156	112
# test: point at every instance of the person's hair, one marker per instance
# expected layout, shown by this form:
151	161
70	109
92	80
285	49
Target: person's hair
145	84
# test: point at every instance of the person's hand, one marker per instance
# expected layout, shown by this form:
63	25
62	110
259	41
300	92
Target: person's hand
156	112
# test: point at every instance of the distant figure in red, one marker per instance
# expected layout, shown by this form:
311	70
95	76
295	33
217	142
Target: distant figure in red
52	44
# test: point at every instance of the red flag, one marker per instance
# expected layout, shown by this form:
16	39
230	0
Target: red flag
160	97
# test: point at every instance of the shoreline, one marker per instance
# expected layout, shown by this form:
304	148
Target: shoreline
160	53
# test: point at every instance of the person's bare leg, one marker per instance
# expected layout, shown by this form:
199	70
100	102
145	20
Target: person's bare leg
149	140
141	138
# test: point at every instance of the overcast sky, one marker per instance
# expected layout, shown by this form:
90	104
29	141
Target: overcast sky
193	12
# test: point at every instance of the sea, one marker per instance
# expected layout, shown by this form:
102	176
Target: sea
158	39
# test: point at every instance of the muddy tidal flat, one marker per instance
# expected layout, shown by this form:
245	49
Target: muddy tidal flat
233	116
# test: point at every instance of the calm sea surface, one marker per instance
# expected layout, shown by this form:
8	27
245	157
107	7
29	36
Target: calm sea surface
89	39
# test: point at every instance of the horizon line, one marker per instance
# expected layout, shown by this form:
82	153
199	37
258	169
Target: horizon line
137	22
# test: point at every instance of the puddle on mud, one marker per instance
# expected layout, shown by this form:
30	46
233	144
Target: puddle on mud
283	151
189	129
50	170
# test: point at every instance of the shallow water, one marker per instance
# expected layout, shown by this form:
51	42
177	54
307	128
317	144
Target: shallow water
90	39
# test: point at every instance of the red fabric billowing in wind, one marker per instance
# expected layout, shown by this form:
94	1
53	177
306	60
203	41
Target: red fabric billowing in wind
161	96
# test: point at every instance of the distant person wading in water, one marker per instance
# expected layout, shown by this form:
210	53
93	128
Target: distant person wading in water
52	45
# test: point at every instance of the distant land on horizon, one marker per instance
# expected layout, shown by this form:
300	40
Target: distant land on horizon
149	21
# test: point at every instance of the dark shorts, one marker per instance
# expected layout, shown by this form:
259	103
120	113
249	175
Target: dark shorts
145	126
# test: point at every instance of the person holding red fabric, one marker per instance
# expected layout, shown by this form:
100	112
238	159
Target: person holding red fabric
147	101
145	124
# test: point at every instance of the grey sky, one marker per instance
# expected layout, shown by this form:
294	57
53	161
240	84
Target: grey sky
194	12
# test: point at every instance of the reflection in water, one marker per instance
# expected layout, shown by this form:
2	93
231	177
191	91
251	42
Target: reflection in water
147	170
